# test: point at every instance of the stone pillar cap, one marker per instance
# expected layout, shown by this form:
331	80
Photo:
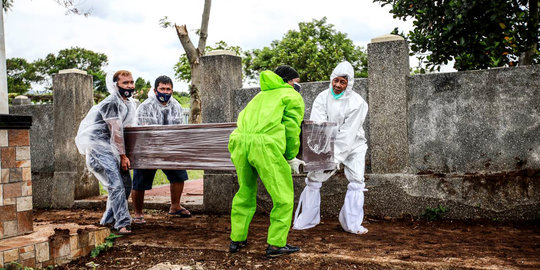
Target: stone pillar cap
221	52
72	70
21	97
385	38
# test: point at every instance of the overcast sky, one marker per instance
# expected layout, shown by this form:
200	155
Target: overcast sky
128	32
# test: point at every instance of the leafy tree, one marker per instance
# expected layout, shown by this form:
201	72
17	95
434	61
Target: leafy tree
477	34
141	89
182	69
75	57
20	75
314	51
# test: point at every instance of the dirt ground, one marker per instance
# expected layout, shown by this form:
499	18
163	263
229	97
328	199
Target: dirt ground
201	242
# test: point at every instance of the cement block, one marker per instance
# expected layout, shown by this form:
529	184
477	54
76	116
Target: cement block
23	153
220	74
11	255
219	189
10	228
63	189
42	252
24	203
388	64
3	138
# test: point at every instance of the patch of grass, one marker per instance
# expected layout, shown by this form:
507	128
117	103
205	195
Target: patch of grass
195	174
436	213
109	242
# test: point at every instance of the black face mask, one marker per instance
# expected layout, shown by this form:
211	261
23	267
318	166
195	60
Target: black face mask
297	87
125	92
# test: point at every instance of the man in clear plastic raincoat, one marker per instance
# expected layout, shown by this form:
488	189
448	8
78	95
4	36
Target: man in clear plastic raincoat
101	139
159	109
348	109
265	144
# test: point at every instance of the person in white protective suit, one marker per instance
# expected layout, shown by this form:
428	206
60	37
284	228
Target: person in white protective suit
348	109
159	109
101	139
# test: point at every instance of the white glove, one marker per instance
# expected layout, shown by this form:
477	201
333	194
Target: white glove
295	164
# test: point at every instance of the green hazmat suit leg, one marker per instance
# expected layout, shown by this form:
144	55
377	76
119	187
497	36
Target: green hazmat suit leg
245	201
267	160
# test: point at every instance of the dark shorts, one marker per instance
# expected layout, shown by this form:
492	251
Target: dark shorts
143	178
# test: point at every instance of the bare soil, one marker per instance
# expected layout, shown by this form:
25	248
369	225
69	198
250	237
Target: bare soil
201	242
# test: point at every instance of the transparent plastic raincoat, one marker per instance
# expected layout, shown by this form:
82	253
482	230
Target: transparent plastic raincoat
268	135
101	138
349	112
152	112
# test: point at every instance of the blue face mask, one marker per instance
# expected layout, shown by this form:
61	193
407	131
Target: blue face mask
337	96
162	97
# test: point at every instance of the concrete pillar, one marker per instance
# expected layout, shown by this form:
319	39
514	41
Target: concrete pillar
388	70
4	103
73	97
220	74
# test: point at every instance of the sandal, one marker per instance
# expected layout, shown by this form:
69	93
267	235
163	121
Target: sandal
182	213
139	220
126	231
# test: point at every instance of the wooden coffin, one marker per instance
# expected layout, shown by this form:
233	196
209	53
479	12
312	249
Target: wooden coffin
204	146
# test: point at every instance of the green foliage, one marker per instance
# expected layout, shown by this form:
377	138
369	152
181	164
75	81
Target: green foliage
141	89
436	213
20	75
182	69
182	98
109	242
75	57
314	51
477	34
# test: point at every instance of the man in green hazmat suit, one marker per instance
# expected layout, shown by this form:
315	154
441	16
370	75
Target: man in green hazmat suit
265	144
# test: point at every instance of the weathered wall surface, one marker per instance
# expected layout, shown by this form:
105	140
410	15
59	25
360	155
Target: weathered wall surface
475	121
467	141
41	150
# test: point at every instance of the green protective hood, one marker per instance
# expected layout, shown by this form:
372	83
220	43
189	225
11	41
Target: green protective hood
270	81
276	112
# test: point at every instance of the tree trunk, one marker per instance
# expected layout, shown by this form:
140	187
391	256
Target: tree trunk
193	54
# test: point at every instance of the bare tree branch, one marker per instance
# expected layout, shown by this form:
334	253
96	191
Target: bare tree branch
204	27
188	46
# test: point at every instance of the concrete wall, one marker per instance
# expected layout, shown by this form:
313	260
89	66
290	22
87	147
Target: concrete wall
475	121
41	150
467	141
59	174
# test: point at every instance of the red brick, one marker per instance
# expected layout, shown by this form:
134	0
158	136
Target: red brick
8	212
19	137
12	190
24	220
8	157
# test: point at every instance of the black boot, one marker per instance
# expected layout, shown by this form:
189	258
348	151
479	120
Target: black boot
272	251
236	246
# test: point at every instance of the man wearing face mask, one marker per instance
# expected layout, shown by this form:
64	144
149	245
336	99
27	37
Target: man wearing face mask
159	109
289	75
101	138
348	109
